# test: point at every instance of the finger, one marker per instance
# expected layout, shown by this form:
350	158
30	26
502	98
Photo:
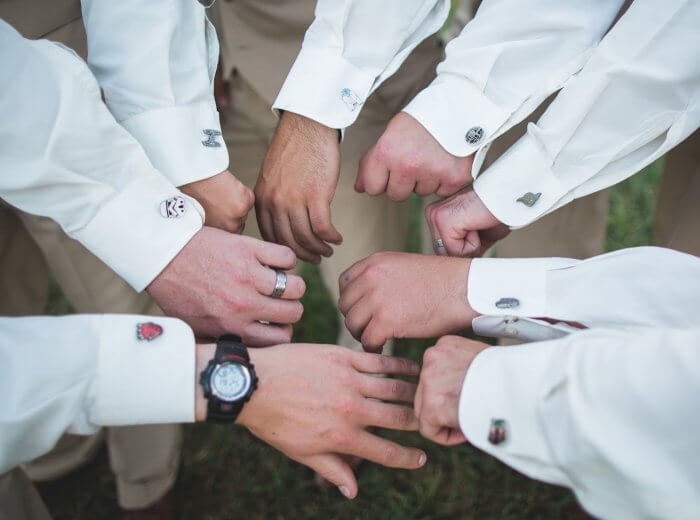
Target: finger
442	435
427	186
387	389
283	231
352	272
399	188
265	335
304	235
267	230
350	294
334	469
379	364
387	415
280	312
322	224
385	452
418	399
430	211
266	278
274	255
372	175
374	336
357	319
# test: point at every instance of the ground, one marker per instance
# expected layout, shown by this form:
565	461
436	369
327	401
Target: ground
226	473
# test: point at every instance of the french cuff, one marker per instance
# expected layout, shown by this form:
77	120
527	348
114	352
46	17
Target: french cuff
520	187
457	114
502	390
325	87
130	234
183	142
511	287
145	371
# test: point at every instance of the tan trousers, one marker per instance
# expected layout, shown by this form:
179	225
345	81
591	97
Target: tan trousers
368	224
144	458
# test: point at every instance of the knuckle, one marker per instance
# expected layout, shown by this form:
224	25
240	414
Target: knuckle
339	437
390	454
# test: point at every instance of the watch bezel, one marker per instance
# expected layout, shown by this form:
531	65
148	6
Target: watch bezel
245	390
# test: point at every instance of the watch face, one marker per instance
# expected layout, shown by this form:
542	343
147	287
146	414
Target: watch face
230	381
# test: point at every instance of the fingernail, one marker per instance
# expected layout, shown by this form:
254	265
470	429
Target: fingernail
422	459
345	491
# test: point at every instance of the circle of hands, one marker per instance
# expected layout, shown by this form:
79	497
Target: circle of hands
320	404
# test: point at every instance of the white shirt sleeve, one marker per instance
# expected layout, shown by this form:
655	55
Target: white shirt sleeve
504	64
637	287
79	373
351	47
611	414
635	99
155	62
62	155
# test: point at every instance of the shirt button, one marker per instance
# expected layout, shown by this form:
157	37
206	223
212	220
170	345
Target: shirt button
350	99
507	303
498	432
529	199
474	135
173	207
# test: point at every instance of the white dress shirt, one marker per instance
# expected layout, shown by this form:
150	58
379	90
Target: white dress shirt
351	47
63	155
155	62
610	411
79	373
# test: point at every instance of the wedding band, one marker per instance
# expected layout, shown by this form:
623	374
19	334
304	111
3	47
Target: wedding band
280	284
438	244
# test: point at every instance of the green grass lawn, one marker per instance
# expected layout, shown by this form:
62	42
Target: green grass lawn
226	473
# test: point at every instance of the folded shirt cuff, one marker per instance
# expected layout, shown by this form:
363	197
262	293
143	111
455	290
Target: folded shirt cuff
506	384
520	187
132	237
142	381
325	87
183	142
457	114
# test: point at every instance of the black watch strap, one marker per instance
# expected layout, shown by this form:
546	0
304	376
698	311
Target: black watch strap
228	348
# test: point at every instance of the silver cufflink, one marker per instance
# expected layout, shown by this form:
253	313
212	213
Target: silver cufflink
474	135
507	303
350	99
211	141
173	207
498	432
529	198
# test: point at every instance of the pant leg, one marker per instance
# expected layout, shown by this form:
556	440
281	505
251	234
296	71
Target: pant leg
19	499
143	473
677	214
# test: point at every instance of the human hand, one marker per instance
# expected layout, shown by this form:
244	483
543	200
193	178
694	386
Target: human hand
464	224
220	282
225	199
406	159
295	187
399	295
315	402
441	378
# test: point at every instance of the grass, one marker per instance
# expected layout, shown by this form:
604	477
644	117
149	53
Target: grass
226	473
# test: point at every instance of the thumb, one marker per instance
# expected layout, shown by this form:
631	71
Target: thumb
334	469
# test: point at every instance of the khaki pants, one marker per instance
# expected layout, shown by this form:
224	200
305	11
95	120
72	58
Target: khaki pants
368	224
144	458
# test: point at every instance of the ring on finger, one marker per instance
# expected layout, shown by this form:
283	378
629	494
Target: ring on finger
280	284
438	244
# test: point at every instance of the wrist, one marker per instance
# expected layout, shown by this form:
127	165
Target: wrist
204	353
297	124
258	357
466	313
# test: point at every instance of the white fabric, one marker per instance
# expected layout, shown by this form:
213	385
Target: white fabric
63	155
611	411
635	99
354	45
79	373
155	62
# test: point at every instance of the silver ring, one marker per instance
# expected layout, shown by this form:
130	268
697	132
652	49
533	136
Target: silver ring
438	244
280	284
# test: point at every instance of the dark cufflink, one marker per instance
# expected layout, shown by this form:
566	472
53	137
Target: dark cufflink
498	432
474	135
173	207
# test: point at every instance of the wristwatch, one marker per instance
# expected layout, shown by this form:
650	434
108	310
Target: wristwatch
229	380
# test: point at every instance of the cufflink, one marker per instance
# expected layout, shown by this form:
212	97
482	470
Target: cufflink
350	99
529	198
148	331
211	141
173	207
474	135
498	432
507	303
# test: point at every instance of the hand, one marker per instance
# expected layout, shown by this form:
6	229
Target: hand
220	282
400	295
225	199
464	224
295	187
437	400
406	159
315	403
